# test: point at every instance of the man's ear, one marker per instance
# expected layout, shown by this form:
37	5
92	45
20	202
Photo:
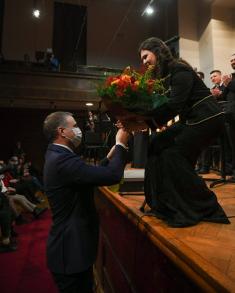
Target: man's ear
60	131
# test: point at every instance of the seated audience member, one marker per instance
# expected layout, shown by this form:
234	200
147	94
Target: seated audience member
6	218
18	151
21	200
29	172
13	166
27	188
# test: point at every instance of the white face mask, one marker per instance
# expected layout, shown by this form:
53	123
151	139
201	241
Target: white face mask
76	140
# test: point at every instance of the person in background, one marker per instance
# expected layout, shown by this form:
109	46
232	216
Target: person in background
54	63
6	218
18	151
218	86
229	95
205	159
201	75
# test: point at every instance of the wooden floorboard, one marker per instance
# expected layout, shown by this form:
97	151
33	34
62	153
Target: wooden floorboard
213	243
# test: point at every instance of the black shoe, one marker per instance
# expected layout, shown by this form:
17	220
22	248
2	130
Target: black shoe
203	171
8	248
38	211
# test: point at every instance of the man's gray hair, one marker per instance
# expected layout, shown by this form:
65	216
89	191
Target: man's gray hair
52	122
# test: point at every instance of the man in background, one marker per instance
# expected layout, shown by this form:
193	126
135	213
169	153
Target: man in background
229	94
218	86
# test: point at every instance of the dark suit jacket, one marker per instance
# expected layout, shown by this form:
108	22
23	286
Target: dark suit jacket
229	94
69	184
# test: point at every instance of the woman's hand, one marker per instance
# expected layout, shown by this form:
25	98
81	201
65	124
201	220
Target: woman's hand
132	124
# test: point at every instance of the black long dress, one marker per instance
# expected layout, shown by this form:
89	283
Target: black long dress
173	190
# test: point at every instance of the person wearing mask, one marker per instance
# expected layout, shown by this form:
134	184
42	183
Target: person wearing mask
173	189
69	185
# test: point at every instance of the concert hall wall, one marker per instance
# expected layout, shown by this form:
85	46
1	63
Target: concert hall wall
106	44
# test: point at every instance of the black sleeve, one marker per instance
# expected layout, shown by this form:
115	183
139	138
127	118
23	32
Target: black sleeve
104	162
231	85
181	87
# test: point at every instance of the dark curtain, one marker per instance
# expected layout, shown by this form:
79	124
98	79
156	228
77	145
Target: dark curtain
1	21
26	125
69	39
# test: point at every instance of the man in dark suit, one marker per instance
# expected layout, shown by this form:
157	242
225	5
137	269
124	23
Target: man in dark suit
218	87
69	184
229	93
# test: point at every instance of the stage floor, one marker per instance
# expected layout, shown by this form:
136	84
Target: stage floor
209	247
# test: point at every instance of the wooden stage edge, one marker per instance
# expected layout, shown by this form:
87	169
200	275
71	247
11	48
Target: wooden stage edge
205	253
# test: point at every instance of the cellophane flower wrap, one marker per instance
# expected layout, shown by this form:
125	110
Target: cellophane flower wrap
133	92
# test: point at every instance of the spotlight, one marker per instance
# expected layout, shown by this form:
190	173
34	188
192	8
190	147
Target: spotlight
89	104
36	13
149	10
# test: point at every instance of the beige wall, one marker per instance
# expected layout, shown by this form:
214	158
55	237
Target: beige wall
223	25
188	31
207	35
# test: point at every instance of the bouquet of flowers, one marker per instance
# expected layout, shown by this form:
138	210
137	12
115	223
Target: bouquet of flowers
132	93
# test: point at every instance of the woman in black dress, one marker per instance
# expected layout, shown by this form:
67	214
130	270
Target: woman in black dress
173	190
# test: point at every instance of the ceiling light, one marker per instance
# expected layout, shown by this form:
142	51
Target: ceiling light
89	104
149	10
36	13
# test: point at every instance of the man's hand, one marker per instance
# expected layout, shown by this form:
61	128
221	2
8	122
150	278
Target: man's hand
111	152
226	79
122	136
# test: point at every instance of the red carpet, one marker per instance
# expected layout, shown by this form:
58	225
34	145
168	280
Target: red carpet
25	271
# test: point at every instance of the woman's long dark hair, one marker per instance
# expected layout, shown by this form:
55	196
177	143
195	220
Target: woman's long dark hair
162	52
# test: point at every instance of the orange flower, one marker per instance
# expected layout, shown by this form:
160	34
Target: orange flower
115	81
109	80
126	78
